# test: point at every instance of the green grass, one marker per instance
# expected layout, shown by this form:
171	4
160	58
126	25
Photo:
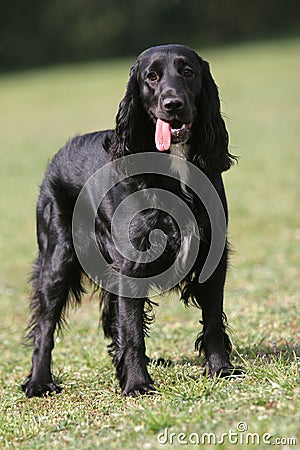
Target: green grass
260	93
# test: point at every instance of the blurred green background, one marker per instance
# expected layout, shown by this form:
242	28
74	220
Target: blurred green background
79	53
34	32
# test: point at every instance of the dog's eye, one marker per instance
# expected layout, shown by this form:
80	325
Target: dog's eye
152	76
187	72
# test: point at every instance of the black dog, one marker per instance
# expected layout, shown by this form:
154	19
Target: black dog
171	105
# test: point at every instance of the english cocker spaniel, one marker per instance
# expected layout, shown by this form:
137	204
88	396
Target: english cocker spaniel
170	140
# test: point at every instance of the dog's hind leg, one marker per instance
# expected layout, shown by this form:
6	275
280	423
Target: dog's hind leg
56	275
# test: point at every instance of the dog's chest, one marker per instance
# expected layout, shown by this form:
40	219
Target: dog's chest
178	164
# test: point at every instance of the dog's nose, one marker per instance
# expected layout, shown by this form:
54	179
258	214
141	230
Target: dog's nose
172	104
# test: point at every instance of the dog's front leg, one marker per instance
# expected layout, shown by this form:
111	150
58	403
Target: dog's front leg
214	340
128	347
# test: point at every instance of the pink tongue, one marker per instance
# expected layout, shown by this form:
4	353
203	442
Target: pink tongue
162	135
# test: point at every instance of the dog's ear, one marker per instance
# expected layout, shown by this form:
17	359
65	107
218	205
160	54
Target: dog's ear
213	154
129	130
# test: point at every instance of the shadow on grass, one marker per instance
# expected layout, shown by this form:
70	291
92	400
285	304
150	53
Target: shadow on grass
265	353
285	352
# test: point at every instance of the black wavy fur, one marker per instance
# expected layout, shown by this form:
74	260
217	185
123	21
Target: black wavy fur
183	90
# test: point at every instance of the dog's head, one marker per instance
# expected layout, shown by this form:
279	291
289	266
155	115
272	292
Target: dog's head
172	98
170	80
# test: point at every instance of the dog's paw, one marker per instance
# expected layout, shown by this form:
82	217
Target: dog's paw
36	389
232	371
144	389
227	371
162	362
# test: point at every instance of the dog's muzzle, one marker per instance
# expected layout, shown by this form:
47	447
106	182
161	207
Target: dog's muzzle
174	132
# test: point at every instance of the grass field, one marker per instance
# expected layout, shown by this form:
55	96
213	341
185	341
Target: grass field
40	110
